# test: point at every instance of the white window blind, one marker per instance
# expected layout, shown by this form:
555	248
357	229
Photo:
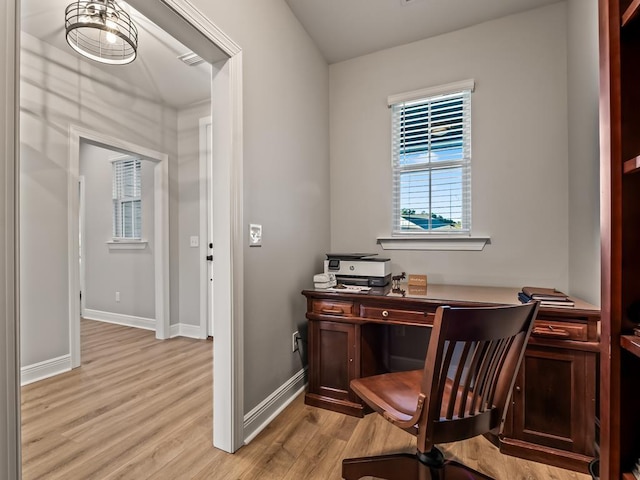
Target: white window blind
431	150
127	199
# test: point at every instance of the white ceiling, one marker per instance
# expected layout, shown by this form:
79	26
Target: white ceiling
345	29
156	70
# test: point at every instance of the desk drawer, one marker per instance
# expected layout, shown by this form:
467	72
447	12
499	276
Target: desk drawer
379	313
560	330
333	307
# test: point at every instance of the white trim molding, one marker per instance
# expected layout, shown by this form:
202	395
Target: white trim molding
10	455
161	229
200	22
435	242
127	244
120	319
228	221
48	368
432	91
259	417
186	330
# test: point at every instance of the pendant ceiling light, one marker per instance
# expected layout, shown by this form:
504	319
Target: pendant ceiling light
101	31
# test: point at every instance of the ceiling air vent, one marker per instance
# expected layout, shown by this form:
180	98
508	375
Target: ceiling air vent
192	59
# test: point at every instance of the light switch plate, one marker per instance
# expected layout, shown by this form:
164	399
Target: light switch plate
255	235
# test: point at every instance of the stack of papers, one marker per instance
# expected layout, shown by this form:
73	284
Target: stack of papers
348	289
548	297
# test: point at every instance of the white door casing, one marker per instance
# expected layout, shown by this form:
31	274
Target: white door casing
227	154
161	230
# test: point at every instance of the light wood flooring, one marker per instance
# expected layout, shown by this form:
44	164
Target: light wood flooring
140	408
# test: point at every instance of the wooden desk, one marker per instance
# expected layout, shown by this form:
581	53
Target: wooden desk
553	412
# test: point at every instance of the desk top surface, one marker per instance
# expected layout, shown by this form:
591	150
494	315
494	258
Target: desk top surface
457	293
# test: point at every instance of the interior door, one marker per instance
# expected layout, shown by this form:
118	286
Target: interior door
209	162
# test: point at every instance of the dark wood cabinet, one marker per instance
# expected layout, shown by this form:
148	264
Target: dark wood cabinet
620	235
553	407
552	416
335	363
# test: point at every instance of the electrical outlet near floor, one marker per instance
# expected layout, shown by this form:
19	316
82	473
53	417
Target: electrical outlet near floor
294	341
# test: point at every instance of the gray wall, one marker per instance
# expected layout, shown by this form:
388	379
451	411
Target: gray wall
9	394
189	210
58	90
584	153
130	271
520	149
286	180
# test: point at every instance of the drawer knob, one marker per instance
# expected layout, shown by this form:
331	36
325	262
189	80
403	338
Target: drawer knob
385	314
518	389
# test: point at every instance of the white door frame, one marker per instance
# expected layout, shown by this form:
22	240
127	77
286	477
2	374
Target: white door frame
227	132
10	460
82	251
206	227
160	234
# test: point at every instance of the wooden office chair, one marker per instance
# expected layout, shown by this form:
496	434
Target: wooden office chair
472	360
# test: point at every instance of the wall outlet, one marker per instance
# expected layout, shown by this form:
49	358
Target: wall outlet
294	341
117	296
194	241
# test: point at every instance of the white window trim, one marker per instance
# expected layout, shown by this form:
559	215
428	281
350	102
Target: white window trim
127	244
434	242
431	91
462	241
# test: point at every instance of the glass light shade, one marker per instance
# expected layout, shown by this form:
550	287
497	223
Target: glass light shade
101	31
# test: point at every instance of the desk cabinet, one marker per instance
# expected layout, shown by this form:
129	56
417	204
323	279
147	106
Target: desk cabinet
335	364
552	415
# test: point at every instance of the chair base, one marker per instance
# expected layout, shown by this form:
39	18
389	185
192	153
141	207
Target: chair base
407	466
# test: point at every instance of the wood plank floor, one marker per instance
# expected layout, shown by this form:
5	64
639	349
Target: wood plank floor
140	408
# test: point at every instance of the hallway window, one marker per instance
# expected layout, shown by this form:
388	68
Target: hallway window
127	198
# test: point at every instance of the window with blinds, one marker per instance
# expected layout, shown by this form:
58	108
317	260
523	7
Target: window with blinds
127	199
431	152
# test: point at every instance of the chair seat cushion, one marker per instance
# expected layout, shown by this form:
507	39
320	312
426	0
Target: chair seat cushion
396	393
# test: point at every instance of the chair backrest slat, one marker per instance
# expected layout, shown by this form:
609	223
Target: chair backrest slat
473	357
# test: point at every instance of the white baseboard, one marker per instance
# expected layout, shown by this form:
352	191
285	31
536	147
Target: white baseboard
120	319
46	369
257	419
185	330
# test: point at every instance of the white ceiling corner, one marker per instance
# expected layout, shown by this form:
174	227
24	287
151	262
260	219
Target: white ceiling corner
345	29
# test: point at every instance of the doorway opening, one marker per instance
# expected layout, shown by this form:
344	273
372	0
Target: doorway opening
189	26
115	264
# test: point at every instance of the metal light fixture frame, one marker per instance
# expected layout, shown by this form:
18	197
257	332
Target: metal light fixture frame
102	31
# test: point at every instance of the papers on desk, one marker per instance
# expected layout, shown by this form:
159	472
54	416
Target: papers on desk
348	289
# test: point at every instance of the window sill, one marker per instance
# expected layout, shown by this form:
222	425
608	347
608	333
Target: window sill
440	242
127	244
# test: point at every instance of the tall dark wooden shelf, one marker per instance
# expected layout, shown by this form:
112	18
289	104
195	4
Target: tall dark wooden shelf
620	235
633	165
631	12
